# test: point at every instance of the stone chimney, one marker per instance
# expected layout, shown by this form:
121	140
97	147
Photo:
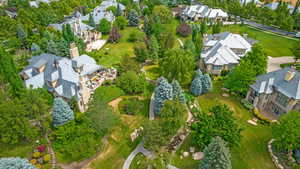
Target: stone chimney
73	51
289	75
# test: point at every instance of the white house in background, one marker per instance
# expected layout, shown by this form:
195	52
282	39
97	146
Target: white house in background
36	3
100	12
298	34
249	1
274	6
88	34
75	77
3	2
223	51
199	12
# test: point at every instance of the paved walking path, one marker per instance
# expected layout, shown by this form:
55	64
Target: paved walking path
274	63
139	149
151	108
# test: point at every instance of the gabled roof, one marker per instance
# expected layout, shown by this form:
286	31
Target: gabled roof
276	80
60	70
220	54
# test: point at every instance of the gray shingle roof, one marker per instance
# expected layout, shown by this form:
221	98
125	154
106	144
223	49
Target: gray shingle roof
276	80
58	69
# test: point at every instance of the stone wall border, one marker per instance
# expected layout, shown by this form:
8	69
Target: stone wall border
274	157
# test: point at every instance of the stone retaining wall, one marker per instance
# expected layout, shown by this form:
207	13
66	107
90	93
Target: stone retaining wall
274	158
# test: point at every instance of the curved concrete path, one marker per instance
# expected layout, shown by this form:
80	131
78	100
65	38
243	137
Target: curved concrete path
151	108
274	63
139	149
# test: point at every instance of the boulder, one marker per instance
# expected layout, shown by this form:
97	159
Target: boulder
185	154
198	155
225	95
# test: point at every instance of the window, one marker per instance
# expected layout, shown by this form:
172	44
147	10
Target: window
217	67
282	99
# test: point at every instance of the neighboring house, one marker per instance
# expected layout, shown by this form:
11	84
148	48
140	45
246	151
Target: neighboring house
257	2
298	34
200	12
223	51
100	12
11	12
3	2
277	92
88	34
36	3
75	77
274	6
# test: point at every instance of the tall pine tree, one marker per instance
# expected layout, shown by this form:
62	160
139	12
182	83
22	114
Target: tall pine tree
62	113
216	155
133	18
163	92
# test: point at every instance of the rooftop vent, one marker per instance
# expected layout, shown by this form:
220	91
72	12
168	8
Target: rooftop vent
289	75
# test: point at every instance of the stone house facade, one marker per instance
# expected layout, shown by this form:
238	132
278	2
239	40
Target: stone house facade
276	92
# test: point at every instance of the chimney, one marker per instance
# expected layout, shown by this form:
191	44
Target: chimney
289	75
73	51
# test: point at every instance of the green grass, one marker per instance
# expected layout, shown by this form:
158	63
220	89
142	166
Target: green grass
119	144
274	45
139	162
112	54
108	93
152	72
22	150
252	153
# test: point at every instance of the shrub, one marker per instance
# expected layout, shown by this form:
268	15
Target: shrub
114	35
131	106
247	104
261	116
104	26
47	158
41	148
33	161
36	154
132	83
184	30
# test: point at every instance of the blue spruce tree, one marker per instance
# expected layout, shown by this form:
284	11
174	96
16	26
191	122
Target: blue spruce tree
216	155
133	18
62	112
163	92
15	163
178	92
206	83
196	87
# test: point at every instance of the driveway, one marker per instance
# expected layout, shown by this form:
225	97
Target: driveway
274	63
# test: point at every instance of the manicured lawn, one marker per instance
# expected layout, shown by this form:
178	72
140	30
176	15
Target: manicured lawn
108	93
111	54
252	153
274	45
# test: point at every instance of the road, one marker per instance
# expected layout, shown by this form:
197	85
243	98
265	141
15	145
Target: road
274	63
270	29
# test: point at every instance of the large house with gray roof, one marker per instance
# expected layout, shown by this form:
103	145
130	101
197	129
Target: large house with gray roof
277	92
88	34
200	12
101	12
223	51
75	77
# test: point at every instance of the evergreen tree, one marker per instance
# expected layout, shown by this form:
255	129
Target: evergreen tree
35	49
216	155
133	18
163	92
68	33
15	163
178	92
62	112
196	86
154	48
203	27
147	26
198	44
206	83
121	22
92	21
22	35
114	35
63	47
52	48
118	11
9	72
189	45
